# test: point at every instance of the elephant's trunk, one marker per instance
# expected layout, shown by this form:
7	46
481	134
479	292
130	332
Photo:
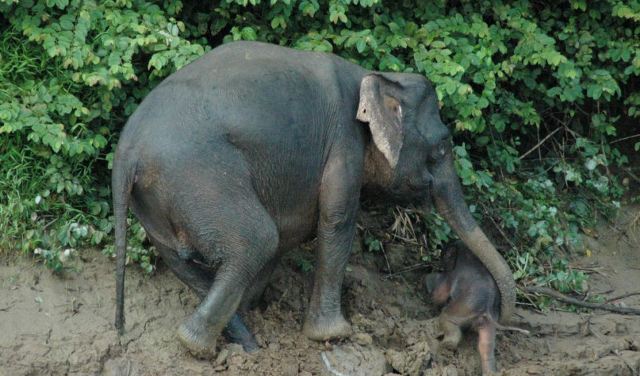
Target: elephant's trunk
450	203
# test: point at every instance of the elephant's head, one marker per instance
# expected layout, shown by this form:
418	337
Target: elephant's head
411	156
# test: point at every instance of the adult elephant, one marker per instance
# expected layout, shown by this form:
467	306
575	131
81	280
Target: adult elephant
254	148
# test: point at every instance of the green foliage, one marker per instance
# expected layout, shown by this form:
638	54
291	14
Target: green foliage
305	264
70	74
137	252
564	279
535	93
372	244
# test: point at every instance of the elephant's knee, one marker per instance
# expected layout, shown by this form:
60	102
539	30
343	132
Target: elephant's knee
264	239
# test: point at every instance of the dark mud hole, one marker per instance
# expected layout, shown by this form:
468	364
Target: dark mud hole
58	326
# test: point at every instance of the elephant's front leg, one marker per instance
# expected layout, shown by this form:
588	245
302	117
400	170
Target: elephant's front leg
336	229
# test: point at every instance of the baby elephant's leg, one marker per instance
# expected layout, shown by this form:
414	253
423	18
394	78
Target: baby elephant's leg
451	330
487	345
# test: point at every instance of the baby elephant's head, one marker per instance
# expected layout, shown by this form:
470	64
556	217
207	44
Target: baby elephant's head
437	287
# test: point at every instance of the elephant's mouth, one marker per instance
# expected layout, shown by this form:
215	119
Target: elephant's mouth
421	185
420	189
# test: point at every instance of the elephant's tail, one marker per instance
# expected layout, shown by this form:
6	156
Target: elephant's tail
122	179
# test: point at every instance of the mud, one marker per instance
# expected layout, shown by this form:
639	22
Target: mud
63	326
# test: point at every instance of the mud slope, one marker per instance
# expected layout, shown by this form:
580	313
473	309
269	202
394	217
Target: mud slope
58	326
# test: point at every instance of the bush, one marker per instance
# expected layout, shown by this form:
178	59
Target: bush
538	93
71	74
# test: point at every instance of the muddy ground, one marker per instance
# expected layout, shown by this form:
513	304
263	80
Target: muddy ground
57	326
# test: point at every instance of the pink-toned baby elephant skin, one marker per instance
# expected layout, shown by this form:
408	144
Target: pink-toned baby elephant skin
469	298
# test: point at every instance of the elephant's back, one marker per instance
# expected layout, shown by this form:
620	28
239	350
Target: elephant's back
229	62
236	65
249	88
269	102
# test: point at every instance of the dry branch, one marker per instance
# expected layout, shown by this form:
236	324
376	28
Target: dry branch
567	299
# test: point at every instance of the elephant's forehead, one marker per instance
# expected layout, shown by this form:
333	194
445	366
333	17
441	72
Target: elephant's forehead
428	122
432	129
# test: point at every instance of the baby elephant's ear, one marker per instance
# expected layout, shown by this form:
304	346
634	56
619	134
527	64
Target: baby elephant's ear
381	108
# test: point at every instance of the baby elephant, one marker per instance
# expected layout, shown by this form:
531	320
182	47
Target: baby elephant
470	298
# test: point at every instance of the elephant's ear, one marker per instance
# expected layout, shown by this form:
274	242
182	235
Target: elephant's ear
380	107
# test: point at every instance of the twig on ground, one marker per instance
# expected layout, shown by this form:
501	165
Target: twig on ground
567	299
590	270
622	296
531	303
386	259
283	295
406	240
615	228
623	235
533	307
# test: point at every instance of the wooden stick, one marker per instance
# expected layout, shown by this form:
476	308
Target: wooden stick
539	143
500	230
622	296
633	176
624	138
386	259
567	299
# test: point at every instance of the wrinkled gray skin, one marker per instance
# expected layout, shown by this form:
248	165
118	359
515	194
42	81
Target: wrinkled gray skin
253	149
470	299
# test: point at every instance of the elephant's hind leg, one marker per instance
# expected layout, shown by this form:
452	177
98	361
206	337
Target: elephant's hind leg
237	331
254	293
197	279
200	281
244	242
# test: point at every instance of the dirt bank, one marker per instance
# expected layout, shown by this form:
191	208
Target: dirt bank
58	326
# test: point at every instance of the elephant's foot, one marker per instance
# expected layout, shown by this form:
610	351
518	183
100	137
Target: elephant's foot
449	343
321	328
452	334
196	336
237	332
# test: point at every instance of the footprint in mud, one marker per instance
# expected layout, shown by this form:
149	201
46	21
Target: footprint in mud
363	358
415	360
354	360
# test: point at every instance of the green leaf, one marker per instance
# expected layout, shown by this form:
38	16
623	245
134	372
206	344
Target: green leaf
248	33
